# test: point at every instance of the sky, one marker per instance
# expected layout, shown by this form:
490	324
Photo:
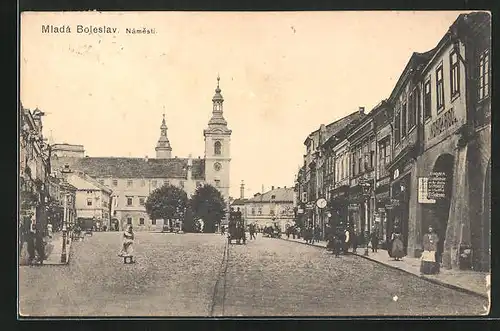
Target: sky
282	75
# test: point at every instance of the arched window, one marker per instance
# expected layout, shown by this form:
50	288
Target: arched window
217	148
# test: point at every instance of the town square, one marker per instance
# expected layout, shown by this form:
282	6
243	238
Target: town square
241	165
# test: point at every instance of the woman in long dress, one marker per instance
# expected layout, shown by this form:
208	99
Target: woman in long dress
397	248
128	243
429	264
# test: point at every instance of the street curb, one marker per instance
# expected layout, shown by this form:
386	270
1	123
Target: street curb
430	280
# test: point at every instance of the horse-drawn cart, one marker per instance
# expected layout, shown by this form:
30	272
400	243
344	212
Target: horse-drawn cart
236	228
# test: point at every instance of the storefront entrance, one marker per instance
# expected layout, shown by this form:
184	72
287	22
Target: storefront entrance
399	214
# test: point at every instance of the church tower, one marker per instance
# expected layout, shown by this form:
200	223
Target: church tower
163	149
217	146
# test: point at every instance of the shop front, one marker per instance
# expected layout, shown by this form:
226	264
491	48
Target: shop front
382	213
339	202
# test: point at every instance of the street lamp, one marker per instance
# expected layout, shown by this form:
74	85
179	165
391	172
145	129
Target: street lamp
366	186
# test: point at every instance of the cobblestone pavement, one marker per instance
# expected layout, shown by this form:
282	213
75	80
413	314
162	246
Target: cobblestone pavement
187	275
174	276
277	277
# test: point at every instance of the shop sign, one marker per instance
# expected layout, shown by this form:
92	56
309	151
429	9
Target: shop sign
384	181
309	206
396	174
423	191
389	206
381	210
395	202
443	124
436	185
300	211
353	206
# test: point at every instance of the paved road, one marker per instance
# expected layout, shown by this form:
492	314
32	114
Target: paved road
190	275
174	275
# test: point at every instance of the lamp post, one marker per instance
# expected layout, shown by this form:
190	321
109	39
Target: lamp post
366	186
64	230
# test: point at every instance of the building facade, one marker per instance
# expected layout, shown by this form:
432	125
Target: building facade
272	207
133	179
34	170
422	156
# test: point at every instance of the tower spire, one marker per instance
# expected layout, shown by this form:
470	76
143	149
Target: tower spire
163	148
217	119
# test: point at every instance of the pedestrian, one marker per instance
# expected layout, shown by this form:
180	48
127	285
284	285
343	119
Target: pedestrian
128	241
354	241
39	245
49	230
30	241
374	240
429	264
347	240
337	245
397	248
251	229
294	231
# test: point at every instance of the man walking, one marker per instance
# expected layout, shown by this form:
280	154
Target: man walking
374	239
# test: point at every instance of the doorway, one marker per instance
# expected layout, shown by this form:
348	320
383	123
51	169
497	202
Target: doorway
441	209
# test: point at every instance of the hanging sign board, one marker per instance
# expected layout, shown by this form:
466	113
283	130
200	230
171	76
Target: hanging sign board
353	206
423	191
436	185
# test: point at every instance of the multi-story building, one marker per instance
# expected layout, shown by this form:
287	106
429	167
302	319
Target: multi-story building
362	153
272	207
425	151
34	168
133	179
316	176
457	140
382	119
92	200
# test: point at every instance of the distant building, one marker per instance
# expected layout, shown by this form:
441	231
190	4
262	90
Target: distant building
133	179
273	207
92	199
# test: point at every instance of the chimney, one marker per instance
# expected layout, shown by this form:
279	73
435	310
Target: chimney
361	110
272	187
146	158
242	190
284	187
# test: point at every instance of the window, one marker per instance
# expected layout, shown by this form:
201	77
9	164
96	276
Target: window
141	201
271	212
217	148
115	182
114	213
141	221
360	160
260	211
384	156
454	74
403	121
129	183
181	183
484	75
129	201
166	182
427	99
129	220
372	156
439	88
89	202
253	211
412	111
154	183
153	221
143	183
217	183
397	129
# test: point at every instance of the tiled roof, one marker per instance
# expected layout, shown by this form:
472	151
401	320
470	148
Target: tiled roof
280	195
127	167
239	201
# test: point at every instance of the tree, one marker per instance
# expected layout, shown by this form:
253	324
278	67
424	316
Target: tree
167	202
188	224
208	204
